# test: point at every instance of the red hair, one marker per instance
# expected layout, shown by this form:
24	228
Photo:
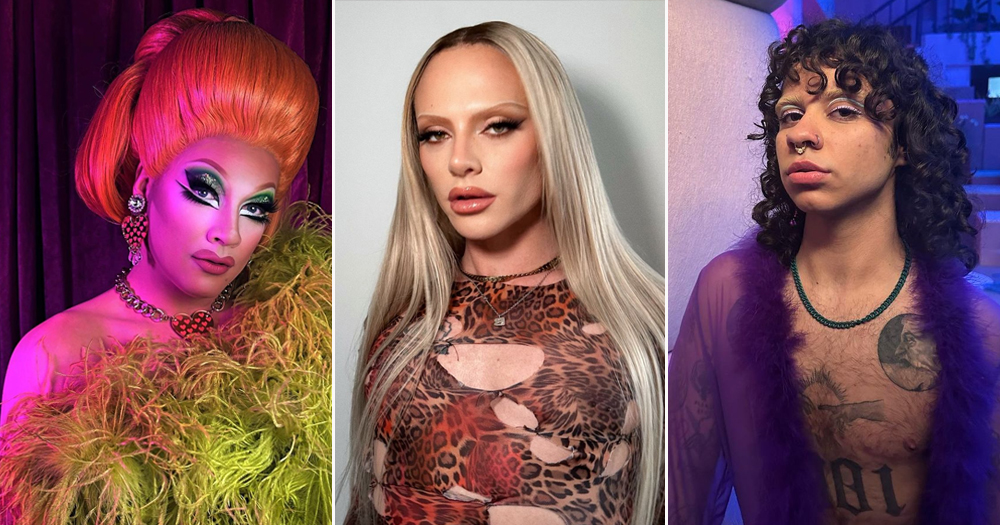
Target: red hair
196	74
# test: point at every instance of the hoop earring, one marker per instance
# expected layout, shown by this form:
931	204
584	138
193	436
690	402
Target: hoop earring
135	227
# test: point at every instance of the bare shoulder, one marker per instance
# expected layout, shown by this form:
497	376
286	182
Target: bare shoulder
48	352
75	328
61	339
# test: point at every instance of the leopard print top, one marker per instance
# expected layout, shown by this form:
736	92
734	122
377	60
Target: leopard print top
530	422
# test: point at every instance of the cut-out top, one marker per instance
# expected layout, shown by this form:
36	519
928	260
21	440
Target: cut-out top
532	418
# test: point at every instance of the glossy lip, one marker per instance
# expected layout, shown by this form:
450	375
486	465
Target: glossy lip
470	200
805	172
212	263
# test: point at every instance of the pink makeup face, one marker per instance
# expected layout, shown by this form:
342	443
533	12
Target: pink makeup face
208	212
846	156
478	146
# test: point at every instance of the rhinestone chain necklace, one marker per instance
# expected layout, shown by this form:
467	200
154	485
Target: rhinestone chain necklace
182	324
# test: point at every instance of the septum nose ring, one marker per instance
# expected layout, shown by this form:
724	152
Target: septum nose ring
800	148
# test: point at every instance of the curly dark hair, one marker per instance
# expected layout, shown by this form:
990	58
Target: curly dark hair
932	209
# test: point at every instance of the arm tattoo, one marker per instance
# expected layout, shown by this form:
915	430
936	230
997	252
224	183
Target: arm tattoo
700	413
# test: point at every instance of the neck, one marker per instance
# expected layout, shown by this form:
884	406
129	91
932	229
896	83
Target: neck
853	250
523	247
153	287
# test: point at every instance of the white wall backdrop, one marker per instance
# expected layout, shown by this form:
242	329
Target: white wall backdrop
718	63
614	54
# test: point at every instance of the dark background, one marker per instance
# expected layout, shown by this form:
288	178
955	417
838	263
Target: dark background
57	57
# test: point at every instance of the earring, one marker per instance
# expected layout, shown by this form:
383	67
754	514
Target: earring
795	215
135	227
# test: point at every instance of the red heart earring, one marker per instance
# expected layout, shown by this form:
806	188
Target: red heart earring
135	227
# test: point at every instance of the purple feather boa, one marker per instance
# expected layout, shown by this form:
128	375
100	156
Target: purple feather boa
959	466
961	442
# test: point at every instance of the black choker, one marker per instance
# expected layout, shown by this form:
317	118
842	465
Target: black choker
501	278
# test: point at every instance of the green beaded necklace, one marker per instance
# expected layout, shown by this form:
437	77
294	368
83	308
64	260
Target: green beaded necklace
843	325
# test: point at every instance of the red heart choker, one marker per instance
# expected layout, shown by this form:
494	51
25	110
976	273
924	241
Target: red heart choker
197	323
184	325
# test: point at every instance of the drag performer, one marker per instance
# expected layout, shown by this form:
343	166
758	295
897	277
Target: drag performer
836	367
511	364
197	387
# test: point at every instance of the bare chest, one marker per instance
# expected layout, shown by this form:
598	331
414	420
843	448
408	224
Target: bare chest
867	394
91	340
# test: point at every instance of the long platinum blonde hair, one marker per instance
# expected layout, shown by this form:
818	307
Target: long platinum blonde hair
610	279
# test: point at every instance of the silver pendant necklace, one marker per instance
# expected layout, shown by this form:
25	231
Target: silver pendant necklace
501	317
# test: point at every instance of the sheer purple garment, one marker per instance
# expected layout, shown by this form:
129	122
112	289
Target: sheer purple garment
735	416
713	440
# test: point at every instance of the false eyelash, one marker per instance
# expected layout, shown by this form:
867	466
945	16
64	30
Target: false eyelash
427	135
187	194
506	124
267	206
262	220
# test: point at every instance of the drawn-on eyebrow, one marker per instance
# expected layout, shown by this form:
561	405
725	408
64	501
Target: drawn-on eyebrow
213	164
430	119
827	96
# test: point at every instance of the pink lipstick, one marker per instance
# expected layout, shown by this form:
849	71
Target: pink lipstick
212	263
469	200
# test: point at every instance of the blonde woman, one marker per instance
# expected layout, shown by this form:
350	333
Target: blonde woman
511	367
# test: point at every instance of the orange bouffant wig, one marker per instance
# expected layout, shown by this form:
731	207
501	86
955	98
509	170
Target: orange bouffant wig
196	74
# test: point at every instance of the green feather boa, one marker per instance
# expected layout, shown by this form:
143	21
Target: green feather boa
234	428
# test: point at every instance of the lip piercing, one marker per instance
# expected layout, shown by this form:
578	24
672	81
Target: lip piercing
800	149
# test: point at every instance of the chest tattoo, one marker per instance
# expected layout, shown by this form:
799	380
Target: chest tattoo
829	413
849	476
908	356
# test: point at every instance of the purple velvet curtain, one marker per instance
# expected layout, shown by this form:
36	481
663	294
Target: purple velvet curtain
56	58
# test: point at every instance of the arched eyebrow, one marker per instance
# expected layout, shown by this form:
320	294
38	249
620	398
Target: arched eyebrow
213	164
430	118
223	182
